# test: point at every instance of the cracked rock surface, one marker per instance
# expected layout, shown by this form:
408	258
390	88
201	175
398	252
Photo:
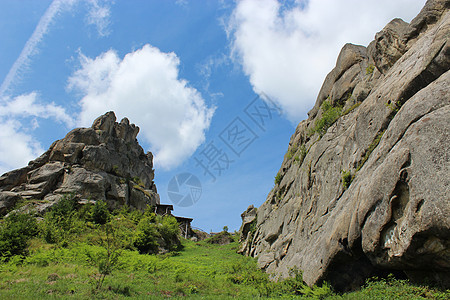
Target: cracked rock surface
103	162
392	143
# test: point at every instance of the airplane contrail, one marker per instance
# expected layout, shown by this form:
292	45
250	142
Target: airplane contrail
31	45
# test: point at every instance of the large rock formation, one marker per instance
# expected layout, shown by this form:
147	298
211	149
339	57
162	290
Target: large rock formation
104	162
369	193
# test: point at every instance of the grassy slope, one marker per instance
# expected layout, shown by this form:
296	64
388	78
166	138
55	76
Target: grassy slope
201	270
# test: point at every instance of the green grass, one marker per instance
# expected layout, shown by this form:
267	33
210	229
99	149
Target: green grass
369	150
354	106
346	178
370	68
390	288
278	178
330	114
89	260
201	270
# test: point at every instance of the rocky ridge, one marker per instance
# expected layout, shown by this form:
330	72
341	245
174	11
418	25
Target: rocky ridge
364	187
103	162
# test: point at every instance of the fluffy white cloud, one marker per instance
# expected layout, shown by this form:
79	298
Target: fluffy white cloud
144	86
17	145
27	105
287	50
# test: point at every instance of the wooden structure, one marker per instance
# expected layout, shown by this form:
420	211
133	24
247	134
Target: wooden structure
163	209
183	223
185	226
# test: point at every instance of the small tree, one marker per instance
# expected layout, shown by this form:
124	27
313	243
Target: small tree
225	229
107	261
15	232
146	236
100	212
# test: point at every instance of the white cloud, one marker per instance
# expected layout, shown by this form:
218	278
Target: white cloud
99	15
27	105
287	51
16	147
144	86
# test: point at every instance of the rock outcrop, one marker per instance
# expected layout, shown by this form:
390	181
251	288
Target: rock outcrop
368	192
104	162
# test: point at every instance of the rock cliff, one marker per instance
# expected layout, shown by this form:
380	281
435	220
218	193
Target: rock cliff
364	188
104	162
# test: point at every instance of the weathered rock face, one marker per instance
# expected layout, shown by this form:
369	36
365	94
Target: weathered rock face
393	213
104	162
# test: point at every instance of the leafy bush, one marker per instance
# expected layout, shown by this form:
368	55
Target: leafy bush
296	284
329	115
221	238
348	110
146	236
61	222
66	206
292	151
370	68
278	178
391	288
169	231
301	157
15	232
346	179
100	212
138	181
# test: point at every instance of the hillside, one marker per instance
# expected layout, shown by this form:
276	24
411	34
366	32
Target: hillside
364	187
202	270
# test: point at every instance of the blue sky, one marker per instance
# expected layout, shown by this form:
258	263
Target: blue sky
221	84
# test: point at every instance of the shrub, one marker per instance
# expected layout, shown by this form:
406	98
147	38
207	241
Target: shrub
222	238
15	233
329	115
296	285
291	151
146	236
61	222
346	179
66	206
370	68
348	110
278	178
168	230
100	212
301	157
138	181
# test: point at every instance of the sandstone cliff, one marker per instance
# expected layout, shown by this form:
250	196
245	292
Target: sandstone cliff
364	188
104	162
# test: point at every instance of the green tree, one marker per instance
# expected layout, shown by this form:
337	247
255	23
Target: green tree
15	232
100	212
146	236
